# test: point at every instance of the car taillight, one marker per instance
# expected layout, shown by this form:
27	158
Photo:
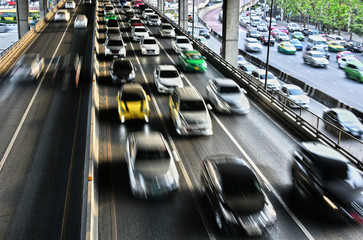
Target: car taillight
356	217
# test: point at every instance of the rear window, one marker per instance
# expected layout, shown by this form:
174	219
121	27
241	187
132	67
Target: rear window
115	43
229	90
149	41
167	27
191	106
140	30
169	74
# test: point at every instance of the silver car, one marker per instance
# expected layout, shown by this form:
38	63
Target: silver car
189	112
151	165
253	45
166	78
166	30
226	96
315	58
294	96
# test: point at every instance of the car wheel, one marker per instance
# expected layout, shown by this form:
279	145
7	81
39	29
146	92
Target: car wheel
357	79
306	62
347	75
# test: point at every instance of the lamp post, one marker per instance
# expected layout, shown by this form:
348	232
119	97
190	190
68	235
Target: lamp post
268	46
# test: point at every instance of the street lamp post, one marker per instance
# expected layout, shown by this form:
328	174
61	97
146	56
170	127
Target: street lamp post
268	46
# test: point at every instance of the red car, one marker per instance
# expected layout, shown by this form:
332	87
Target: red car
284	29
133	22
139	2
274	31
345	54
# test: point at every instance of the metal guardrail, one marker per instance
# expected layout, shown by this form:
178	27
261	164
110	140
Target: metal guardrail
300	121
17	49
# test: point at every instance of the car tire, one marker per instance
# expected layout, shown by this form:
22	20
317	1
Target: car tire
347	75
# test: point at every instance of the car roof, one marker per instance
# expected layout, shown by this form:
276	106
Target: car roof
132	87
291	86
149	140
340	110
188	93
323	153
314	52
167	67
114	37
180	37
225	82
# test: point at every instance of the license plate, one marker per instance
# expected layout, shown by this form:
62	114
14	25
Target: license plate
196	68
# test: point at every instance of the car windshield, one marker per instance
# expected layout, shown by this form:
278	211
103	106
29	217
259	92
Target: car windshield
298	33
149	41
115	43
269	76
190	106
169	74
152	154
194	56
132	96
295	41
182	40
347	117
229	89
296	91
288	45
154	17
240	58
320	43
252	40
253	32
113	30
112	23
167	27
341	171
140	30
283	34
136	21
317	55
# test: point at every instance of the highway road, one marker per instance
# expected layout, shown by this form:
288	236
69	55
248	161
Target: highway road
257	137
331	80
43	141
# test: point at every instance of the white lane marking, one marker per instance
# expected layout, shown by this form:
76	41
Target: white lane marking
174	149
15	136
282	202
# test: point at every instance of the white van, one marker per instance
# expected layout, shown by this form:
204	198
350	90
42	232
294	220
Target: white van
255	21
315	41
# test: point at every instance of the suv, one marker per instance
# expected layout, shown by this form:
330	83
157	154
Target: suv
272	83
330	179
115	46
354	70
315	58
166	30
122	71
189	112
315	41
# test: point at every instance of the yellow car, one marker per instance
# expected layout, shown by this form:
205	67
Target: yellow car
133	102
334	46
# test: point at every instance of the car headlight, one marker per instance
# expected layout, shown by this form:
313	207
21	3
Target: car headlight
227	214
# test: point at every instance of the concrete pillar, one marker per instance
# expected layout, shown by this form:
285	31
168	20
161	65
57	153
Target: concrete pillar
230	31
161	5
183	14
43	8
22	14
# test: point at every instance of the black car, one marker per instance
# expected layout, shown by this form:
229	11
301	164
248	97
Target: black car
263	38
329	178
122	70
344	120
354	46
236	195
205	33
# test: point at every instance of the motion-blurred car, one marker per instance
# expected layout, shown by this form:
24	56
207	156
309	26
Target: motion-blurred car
133	102
252	45
68	68
192	61
236	195
329	179
166	30
272	82
122	71
284	29
133	22
62	15
293	96
203	40
166	78
3	28
354	46
252	34
149	46
126	8
354	70
189	112
315	59
286	48
226	96
343	119
275	31
108	8
263	38
282	36
323	50
292	27
146	12
139	32
345	54
81	21
28	67
70	4
297	44
153	20
151	165
342	61
248	67
262	27
181	43
334	46
298	35
115	46
204	33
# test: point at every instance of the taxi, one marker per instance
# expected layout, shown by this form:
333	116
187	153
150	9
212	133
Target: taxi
334	46
286	48
192	61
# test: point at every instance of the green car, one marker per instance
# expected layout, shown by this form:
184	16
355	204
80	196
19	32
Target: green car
192	61
286	48
354	70
109	16
298	35
334	46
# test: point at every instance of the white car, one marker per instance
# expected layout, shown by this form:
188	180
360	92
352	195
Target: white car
253	45
70	4
293	27
139	32
262	27
281	37
108	9
146	12
181	43
29	67
226	96
240	60
203	40
151	165
153	19
293	96
342	61
166	78
81	21
62	15
272	82
149	46
166	30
